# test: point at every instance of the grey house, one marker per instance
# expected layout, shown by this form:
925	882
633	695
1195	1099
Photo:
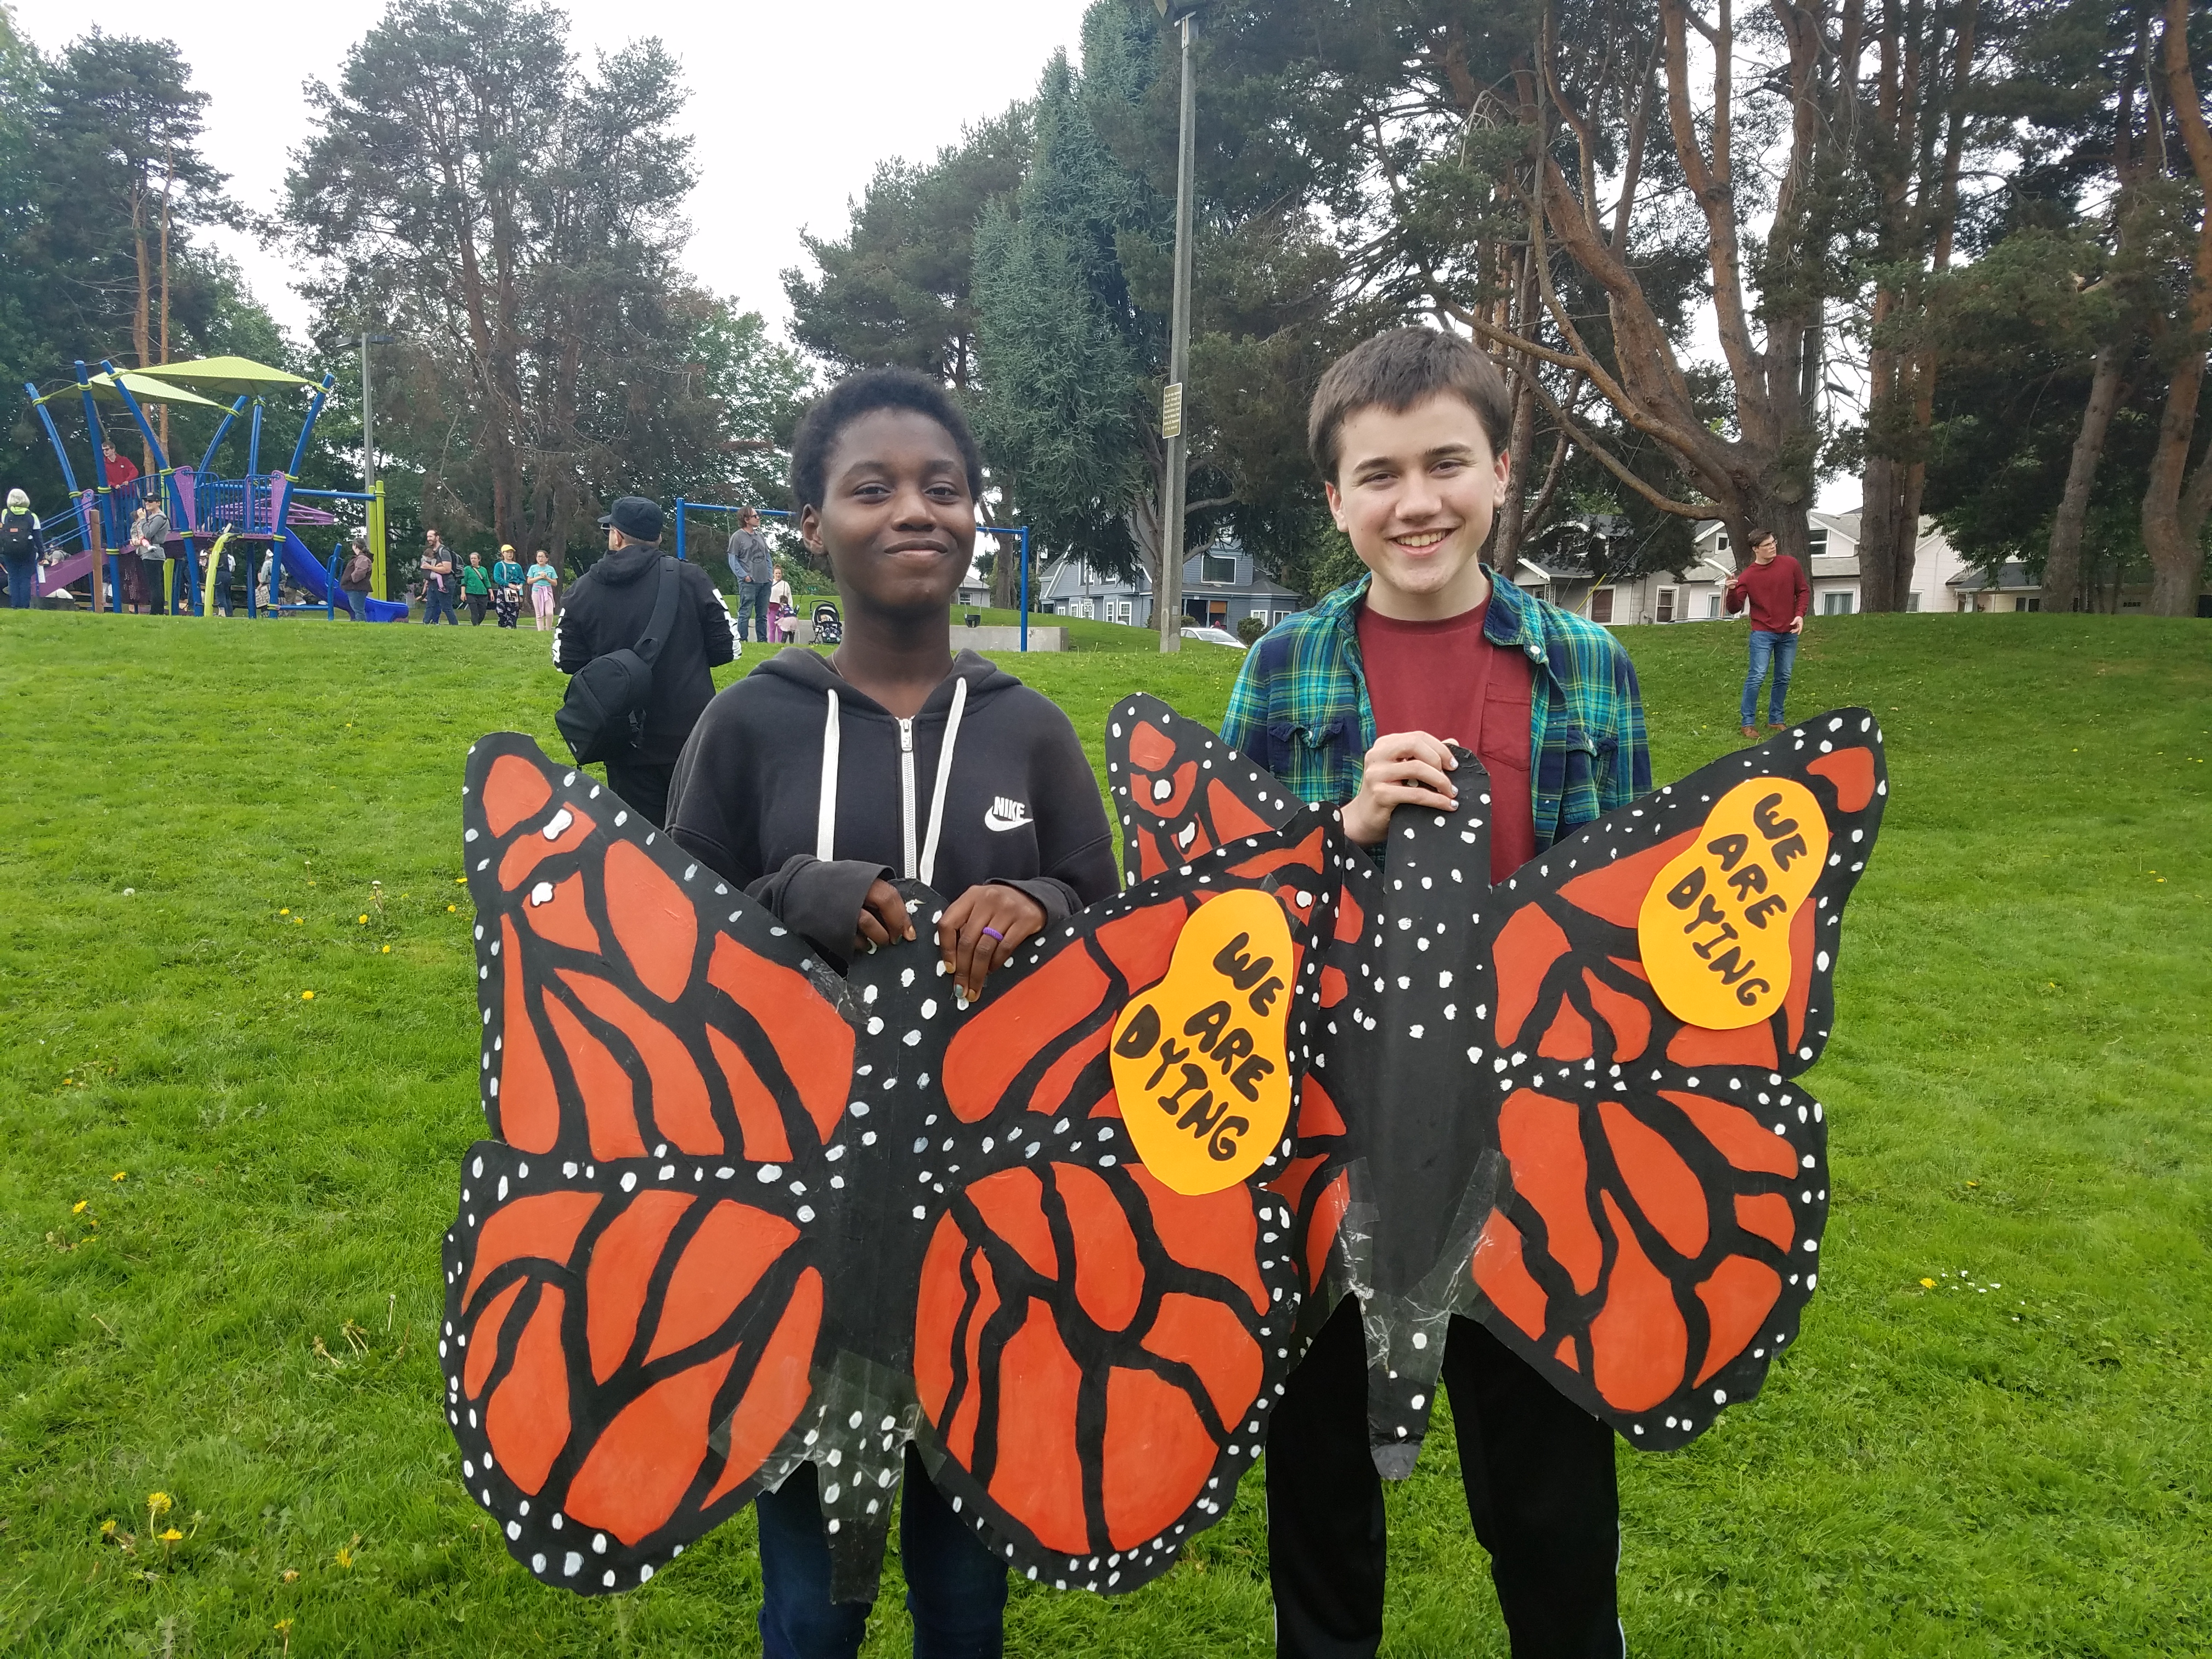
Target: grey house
1220	588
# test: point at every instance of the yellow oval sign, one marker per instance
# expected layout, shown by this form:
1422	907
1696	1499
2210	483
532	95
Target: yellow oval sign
1714	929
1200	1066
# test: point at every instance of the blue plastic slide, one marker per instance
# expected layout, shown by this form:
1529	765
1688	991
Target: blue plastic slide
303	567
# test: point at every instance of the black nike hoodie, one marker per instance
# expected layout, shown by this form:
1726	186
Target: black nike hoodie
987	783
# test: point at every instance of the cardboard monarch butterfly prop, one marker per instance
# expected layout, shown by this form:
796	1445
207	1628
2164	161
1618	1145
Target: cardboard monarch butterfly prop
739	1213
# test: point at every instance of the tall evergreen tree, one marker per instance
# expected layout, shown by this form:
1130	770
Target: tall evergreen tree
517	221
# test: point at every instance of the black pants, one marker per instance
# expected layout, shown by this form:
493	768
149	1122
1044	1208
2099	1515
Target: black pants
477	603
644	788
1539	1475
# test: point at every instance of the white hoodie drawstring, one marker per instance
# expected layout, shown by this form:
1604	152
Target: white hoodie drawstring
825	823
944	776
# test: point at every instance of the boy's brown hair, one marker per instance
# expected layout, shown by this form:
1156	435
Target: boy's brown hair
1394	370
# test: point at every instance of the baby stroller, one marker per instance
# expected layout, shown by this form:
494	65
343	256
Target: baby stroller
829	628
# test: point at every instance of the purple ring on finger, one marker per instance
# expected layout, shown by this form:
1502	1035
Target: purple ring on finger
996	935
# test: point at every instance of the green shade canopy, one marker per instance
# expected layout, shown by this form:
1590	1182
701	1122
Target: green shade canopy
226	376
103	390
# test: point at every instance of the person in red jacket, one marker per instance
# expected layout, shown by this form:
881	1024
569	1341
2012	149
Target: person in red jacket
1773	585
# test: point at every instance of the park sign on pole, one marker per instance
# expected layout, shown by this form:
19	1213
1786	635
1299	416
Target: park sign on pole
1171	412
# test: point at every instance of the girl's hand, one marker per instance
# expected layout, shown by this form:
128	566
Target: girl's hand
883	919
1406	768
969	952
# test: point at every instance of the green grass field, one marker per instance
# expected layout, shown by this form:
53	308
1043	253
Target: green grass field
220	1200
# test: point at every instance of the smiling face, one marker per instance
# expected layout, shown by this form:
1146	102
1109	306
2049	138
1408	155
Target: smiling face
897	520
1416	491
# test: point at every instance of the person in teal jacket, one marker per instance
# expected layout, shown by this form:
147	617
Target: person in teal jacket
506	586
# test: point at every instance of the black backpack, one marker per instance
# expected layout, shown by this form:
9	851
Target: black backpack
603	716
16	541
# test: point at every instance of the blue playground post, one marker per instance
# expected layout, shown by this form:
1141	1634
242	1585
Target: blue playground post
253	446
207	461
308	427
1026	587
101	498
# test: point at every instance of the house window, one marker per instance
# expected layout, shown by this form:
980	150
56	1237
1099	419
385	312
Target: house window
1080	608
1816	539
1835	604
1721	543
1120	610
1712	605
1666	605
2028	602
1912	602
1602	606
1218	567
1274	617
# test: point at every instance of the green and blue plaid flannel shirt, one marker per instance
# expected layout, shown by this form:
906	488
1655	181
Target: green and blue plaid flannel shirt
1300	706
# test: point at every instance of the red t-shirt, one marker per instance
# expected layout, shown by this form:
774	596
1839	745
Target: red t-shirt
1445	678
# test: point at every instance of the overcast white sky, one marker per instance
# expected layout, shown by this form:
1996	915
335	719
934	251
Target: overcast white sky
792	106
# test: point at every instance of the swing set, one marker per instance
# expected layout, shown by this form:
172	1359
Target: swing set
253	512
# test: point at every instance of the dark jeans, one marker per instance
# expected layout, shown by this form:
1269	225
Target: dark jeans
643	788
476	602
23	582
956	1589
355	602
752	605
1782	650
1537	1470
436	600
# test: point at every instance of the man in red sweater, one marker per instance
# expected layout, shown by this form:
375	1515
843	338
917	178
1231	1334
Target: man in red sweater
1775	588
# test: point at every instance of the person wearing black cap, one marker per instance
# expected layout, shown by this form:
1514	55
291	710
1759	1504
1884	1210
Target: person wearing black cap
610	608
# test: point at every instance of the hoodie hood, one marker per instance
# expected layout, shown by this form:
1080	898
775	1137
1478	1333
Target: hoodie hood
626	565
799	666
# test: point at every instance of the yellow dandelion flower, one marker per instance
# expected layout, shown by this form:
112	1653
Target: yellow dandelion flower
77	1208
364	921
461	881
306	996
449	909
157	1503
387	950
286	911
117	1175
108	1527
299	921
171	1536
1927	1283
291	1576
345	1556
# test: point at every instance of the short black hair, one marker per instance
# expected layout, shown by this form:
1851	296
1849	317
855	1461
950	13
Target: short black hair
864	394
1397	369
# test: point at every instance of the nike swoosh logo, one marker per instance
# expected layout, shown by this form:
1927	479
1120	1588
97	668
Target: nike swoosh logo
994	819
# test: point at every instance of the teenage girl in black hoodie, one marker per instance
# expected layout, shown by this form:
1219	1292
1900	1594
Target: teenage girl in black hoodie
812	781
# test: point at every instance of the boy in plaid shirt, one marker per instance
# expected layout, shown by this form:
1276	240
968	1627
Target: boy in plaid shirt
1410	432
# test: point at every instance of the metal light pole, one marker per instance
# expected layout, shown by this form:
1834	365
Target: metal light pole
1167	599
368	419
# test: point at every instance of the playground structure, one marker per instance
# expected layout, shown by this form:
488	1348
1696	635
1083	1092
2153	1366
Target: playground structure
683	507
252	513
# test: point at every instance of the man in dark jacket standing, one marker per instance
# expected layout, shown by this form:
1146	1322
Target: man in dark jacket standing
753	564
610	608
